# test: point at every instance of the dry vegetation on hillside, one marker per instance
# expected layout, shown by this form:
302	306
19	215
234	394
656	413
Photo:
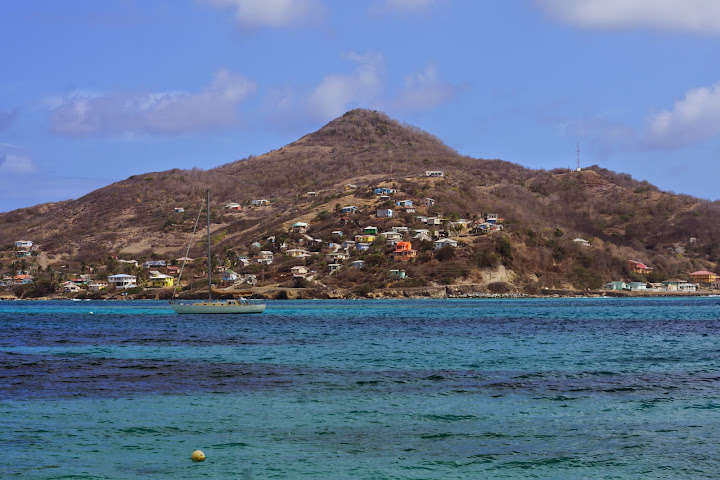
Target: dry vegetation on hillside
543	210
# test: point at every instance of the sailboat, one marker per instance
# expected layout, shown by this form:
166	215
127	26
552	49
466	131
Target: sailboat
237	305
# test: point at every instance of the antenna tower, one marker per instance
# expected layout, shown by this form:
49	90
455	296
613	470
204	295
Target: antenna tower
578	156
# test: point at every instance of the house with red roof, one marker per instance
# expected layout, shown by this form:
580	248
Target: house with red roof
639	267
703	277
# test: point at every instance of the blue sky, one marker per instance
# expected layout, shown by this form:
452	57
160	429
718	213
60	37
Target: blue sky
93	92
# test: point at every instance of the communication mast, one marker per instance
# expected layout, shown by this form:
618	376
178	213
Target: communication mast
578	157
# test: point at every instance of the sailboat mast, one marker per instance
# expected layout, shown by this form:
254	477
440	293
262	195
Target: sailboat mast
208	238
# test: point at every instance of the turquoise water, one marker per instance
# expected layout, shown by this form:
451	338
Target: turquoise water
397	389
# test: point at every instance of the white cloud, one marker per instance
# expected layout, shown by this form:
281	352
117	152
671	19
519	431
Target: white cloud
694	118
405	5
271	13
159	113
337	92
424	90
16	164
701	16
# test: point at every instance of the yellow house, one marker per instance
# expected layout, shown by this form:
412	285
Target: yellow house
157	279
365	238
703	276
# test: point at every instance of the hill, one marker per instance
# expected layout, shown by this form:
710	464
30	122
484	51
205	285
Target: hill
543	211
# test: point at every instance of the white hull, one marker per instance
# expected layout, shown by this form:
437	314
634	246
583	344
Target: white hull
230	306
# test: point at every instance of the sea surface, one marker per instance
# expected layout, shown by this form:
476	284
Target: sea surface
390	389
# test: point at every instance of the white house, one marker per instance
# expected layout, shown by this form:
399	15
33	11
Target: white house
384	213
299	271
123	281
24	244
434	173
299	227
230	276
581	242
445	242
179	210
70	287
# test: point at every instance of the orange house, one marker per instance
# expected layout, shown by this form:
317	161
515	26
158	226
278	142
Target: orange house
703	276
404	252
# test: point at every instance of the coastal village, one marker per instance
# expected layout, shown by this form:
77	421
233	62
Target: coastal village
388	230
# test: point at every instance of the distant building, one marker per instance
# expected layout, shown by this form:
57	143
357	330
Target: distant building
639	267
703	277
434	173
384	213
122	281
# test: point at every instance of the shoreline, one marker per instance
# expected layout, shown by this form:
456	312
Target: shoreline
421	293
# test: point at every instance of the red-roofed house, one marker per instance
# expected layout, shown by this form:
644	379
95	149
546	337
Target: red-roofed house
703	276
639	267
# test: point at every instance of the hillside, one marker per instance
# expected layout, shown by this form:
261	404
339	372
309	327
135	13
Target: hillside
543	212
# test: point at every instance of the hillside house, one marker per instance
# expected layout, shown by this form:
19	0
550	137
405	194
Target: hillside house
399	274
491	218
404	252
299	271
673	284
409	209
312	194
134	263
637	286
433	221
339	233
370	230
404	203
173	269
179	210
333	267
349	210
123	281
260	203
361	247
358	264
23	253
336	257
703	277
480	228
687	287
421	218
230	276
236	207
639	267
445	242
347	244
297	252
392	235
384	191
402	230
181	260
24	244
154	264
349	186
384	213
70	287
160	280
96	286
434	173
421	234
363	238
615	286
22	279
300	227
581	242
428	202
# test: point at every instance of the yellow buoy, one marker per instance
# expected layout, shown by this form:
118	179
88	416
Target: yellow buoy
198	456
